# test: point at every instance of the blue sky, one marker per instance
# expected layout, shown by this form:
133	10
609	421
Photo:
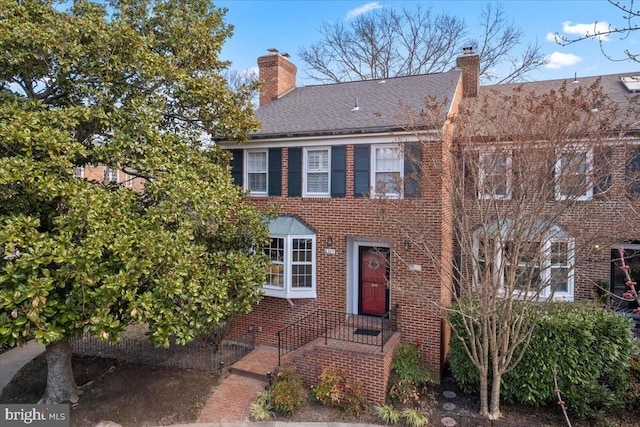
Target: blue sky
290	25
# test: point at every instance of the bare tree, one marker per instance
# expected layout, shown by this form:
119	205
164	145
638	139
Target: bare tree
518	185
389	43
622	31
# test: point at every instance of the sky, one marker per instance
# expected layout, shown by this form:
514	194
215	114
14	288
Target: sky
289	25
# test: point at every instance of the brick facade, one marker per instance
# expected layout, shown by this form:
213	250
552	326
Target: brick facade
415	282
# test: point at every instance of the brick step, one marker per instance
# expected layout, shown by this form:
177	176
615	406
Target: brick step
266	377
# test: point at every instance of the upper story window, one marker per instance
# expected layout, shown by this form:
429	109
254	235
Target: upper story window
257	171
78	172
317	169
495	175
526	268
387	171
291	249
111	175
573	171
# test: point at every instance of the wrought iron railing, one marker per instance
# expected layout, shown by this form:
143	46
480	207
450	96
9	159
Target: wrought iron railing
328	324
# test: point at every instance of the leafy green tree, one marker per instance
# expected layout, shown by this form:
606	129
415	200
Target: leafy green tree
133	85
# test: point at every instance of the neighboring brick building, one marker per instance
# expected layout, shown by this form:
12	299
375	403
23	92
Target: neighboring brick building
109	175
324	155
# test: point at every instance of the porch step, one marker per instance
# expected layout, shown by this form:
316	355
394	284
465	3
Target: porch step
258	364
249	374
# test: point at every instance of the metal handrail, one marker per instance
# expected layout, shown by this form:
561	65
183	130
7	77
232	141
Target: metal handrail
329	324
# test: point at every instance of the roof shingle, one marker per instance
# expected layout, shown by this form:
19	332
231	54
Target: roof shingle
328	109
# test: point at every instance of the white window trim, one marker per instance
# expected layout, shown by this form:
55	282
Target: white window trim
589	173
78	171
373	171
108	172
246	173
128	180
305	172
288	291
483	176
545	268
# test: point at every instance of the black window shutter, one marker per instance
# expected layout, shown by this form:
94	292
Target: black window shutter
236	166
338	171
601	161
361	167
295	172
412	170
275	171
632	171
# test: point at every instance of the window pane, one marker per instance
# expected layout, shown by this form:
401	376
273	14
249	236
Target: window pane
388	183
257	161
257	171
275	271
318	160
302	250
317	183
559	266
572	172
317	167
494	176
301	276
257	182
388	159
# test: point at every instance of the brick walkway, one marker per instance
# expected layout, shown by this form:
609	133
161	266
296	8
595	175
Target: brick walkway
232	399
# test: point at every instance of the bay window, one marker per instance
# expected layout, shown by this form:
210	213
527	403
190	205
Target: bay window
291	250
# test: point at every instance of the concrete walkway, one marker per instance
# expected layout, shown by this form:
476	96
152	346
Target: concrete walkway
13	360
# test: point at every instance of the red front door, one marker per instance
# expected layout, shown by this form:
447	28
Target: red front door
374	280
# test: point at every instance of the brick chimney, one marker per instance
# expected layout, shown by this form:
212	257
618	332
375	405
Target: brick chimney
469	63
277	75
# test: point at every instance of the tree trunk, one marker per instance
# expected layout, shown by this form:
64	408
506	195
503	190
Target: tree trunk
495	397
484	394
61	386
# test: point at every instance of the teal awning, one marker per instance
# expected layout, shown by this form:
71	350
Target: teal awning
285	225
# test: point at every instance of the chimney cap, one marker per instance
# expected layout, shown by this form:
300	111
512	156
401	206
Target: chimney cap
272	51
467	50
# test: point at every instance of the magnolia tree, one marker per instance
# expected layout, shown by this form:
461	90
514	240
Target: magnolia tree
520	180
132	85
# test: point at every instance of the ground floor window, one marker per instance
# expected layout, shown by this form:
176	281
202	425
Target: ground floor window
291	250
534	267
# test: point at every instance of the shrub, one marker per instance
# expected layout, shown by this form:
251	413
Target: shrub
407	363
333	389
262	408
289	394
355	402
414	418
633	374
591	348
330	388
409	375
387	414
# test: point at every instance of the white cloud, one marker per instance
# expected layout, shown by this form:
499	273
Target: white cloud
582	30
559	60
354	13
550	37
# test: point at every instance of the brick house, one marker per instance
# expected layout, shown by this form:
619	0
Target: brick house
344	287
108	175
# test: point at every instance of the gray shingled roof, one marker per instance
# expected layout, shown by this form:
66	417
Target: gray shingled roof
490	98
611	85
327	109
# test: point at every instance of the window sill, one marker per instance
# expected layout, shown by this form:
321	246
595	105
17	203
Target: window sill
288	294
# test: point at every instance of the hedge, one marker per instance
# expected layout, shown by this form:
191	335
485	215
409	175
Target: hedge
590	347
